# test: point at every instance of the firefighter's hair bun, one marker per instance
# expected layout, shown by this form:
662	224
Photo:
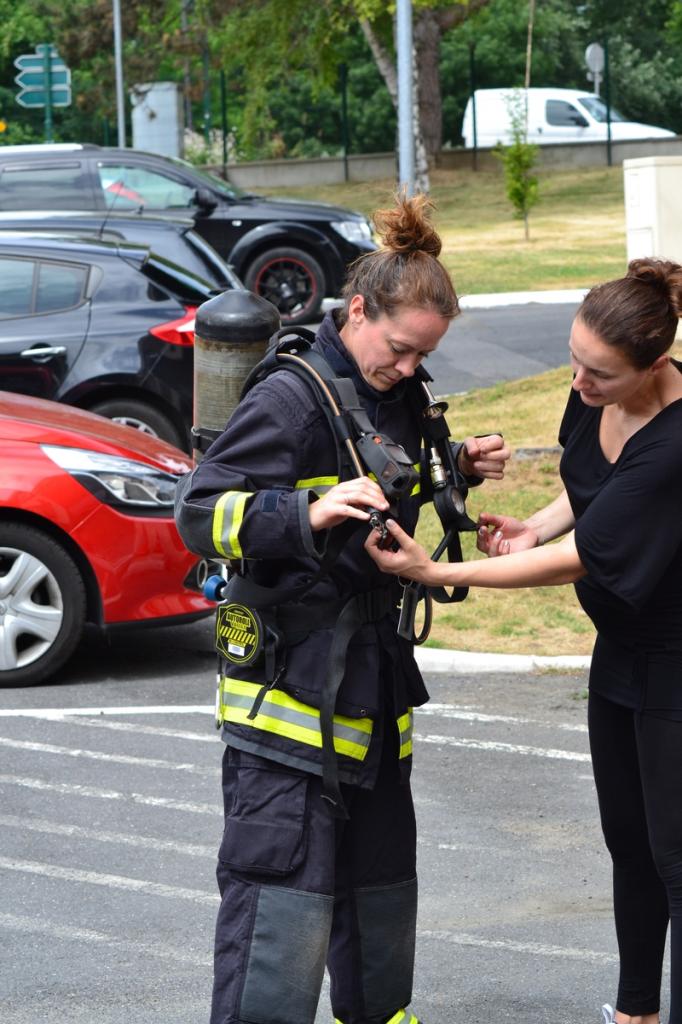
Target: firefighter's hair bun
406	228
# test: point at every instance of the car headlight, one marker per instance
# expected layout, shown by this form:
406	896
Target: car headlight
353	230
132	487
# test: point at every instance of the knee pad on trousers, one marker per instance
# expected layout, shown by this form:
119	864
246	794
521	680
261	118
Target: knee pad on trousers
387	925
285	964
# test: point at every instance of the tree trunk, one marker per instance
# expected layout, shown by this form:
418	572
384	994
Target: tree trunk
427	35
421	160
384	60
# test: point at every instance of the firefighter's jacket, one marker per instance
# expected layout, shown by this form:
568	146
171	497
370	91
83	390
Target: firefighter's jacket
248	499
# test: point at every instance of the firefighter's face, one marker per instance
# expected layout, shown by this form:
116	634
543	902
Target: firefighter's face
391	347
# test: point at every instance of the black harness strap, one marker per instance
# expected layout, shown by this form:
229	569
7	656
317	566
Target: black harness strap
358	611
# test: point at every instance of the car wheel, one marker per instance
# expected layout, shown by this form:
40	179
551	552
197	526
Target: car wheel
141	416
291	280
42	605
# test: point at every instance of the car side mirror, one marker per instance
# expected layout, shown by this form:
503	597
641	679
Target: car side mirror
205	200
579	121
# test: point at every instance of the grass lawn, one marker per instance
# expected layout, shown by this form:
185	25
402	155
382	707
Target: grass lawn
577	228
547	620
577	238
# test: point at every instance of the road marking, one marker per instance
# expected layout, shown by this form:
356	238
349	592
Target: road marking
469	715
145	730
532	948
98	755
12	922
71	789
30	925
125	839
506	748
136	709
108	881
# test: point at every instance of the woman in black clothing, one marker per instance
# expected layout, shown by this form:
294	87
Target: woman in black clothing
620	517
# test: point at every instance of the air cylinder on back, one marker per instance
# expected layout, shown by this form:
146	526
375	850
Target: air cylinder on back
231	335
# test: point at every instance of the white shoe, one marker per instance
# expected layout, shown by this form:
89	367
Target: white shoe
607	1014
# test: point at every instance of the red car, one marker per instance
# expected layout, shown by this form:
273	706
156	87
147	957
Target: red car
86	534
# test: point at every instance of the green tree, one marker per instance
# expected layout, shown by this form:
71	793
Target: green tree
518	160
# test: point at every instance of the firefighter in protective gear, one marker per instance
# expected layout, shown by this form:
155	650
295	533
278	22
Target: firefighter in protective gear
314	872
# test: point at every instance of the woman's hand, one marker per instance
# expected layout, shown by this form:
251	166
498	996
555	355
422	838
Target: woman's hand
347	500
484	456
411	560
503	535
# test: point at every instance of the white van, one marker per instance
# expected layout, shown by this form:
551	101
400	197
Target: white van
554	116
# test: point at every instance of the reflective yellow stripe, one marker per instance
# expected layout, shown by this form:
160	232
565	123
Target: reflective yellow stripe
284	716
403	1015
417	487
405	724
319	484
227	518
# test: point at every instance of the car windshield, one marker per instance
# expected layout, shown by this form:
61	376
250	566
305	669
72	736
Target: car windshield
595	106
226	187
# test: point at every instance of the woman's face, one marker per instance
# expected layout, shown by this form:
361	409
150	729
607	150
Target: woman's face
603	375
391	348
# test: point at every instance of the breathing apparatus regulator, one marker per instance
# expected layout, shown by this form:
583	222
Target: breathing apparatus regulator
365	451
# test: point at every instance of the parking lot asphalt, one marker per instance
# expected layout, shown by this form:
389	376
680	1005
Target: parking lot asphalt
110	814
503	337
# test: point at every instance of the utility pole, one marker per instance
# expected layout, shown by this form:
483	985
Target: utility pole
405	112
118	61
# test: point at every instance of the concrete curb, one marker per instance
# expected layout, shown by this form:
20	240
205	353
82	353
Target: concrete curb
468	662
554	297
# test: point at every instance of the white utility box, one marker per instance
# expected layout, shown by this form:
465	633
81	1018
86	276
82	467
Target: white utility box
157	118
653	207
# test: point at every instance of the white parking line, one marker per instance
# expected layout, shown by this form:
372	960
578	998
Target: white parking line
98	755
16	923
36	926
139	885
96	835
504	748
470	715
212	736
135	709
71	789
532	948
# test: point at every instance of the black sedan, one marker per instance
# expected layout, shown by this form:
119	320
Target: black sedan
106	327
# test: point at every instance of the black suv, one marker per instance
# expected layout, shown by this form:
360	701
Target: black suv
292	253
107	327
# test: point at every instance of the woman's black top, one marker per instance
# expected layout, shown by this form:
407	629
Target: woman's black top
628	532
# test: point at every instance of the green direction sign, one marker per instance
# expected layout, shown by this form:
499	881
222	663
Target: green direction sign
37	98
33	79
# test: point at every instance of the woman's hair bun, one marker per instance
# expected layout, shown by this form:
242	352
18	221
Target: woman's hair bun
665	275
406	228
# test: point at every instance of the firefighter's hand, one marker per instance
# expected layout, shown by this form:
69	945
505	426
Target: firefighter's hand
347	500
503	535
410	560
484	456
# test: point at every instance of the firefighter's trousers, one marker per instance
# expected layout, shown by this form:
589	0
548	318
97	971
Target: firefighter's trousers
301	888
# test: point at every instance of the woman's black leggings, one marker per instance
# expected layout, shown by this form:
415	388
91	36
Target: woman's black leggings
637	762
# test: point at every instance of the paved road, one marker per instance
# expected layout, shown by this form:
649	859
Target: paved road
488	345
109	815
